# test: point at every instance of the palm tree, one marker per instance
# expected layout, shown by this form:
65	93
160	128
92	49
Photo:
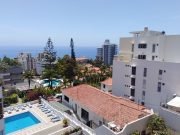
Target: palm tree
29	76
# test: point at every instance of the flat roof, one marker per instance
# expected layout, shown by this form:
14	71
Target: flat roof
107	81
175	102
107	106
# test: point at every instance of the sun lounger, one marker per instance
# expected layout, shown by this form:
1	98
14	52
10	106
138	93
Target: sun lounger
9	112
29	105
16	109
56	119
48	111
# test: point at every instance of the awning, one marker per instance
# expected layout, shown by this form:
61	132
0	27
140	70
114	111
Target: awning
175	102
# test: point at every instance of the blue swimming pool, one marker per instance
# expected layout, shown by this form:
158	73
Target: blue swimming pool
19	121
55	82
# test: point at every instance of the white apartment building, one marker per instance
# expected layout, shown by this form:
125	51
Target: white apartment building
26	61
147	69
105	113
1	113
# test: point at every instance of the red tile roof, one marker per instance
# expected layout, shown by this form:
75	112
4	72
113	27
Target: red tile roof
107	81
110	107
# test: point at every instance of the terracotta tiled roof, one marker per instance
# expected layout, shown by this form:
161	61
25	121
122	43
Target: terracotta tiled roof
107	81
110	107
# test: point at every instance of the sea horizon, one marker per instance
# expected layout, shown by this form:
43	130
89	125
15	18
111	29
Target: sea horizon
80	51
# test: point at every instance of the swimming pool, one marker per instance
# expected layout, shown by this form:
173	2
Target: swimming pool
19	121
55	82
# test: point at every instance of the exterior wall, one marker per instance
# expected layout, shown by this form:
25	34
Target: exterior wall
1	113
39	67
92	116
171	118
107	88
139	125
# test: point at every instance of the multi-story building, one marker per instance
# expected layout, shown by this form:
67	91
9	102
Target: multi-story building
105	113
107	52
1	112
147	69
26	61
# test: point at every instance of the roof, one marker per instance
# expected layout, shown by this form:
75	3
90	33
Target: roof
109	107
175	102
107	81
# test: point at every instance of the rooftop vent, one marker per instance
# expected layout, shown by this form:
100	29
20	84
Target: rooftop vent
145	28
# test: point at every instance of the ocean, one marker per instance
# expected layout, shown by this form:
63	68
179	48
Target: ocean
13	51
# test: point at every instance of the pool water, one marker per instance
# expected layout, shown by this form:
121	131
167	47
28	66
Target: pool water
54	82
19	121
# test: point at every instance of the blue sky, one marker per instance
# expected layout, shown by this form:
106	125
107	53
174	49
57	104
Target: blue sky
89	22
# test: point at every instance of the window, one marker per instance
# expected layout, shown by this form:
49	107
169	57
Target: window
84	114
160	72
104	86
142	57
153	48
132	48
66	98
144	84
133	92
153	57
133	70
159	87
142	45
133	81
145	72
143	95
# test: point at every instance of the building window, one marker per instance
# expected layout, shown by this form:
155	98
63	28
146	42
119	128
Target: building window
159	87
84	114
66	98
133	92
133	70
133	81
143	95
160	72
132	48
104	86
142	45
153	57
153	48
143	57
144	84
145	72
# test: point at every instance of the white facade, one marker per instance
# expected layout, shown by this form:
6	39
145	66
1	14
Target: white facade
1	113
26	61
106	87
147	68
39	67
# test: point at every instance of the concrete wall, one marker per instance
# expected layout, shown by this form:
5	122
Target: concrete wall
107	87
139	125
171	118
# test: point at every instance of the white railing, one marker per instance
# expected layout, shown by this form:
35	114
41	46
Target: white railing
72	119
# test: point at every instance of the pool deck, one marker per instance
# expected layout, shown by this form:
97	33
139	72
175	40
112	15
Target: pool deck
45	127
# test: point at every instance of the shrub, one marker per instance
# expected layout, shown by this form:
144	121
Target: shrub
11	99
65	122
32	95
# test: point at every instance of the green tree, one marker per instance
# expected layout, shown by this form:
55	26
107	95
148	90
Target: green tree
29	76
156	126
50	58
72	50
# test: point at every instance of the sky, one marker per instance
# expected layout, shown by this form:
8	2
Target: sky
88	22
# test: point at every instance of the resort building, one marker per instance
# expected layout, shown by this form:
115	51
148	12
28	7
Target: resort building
26	61
105	113
107	52
106	85
147	71
1	112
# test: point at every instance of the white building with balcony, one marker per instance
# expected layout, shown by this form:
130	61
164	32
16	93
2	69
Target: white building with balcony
147	68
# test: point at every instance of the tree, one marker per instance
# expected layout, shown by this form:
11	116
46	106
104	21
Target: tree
72	50
50	58
29	76
156	126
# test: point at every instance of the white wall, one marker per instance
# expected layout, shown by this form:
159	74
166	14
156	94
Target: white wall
107	87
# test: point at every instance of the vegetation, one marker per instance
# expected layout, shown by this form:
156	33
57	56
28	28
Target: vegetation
136	133
29	76
9	61
65	122
50	57
156	126
11	99
77	129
